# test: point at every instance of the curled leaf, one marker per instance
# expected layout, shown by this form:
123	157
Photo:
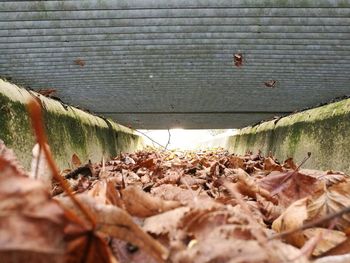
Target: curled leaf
115	222
80	62
270	83
238	59
332	199
293	218
75	161
141	204
31	223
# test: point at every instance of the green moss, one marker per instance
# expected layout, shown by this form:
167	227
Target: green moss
68	130
293	137
15	128
87	140
108	140
343	4
124	140
326	138
270	141
64	132
283	2
250	139
5	117
334	141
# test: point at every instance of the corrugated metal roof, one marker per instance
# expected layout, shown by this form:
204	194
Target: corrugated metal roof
166	63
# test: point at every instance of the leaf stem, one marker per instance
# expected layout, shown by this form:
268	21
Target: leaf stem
34	109
312	223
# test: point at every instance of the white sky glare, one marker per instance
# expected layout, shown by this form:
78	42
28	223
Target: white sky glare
181	138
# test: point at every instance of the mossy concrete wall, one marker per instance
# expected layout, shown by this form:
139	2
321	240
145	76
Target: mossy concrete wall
323	131
69	129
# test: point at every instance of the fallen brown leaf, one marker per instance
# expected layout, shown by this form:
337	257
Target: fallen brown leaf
206	206
271	165
80	62
290	186
46	92
238	59
330	200
293	218
141	204
115	222
270	83
166	222
75	161
31	224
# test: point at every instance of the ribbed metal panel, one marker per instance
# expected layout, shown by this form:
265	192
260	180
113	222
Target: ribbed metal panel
166	63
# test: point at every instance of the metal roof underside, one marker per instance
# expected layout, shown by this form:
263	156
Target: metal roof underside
168	63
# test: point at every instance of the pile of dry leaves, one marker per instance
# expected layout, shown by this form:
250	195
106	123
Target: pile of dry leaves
163	206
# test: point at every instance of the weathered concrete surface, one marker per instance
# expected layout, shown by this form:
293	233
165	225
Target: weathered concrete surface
323	131
69	129
171	61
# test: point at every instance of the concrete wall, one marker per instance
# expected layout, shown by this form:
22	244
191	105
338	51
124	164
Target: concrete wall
323	131
69	129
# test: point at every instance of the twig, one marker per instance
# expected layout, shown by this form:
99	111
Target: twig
144	134
166	146
37	163
282	186
313	223
297	169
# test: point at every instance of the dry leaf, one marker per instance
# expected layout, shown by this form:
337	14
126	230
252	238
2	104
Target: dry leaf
39	166
149	164
293	218
271	165
238	59
270	83
31	224
329	177
163	223
248	186
129	160
289	164
208	206
340	249
88	246
127	252
104	192
330	200
224	249
334	259
9	159
141	204
46	92
115	222
269	210
183	195
290	186
80	62
329	239
76	161
235	162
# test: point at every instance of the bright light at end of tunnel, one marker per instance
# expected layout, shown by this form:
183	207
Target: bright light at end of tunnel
177	129
180	138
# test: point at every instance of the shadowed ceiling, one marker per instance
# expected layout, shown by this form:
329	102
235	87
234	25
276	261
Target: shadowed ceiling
156	64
